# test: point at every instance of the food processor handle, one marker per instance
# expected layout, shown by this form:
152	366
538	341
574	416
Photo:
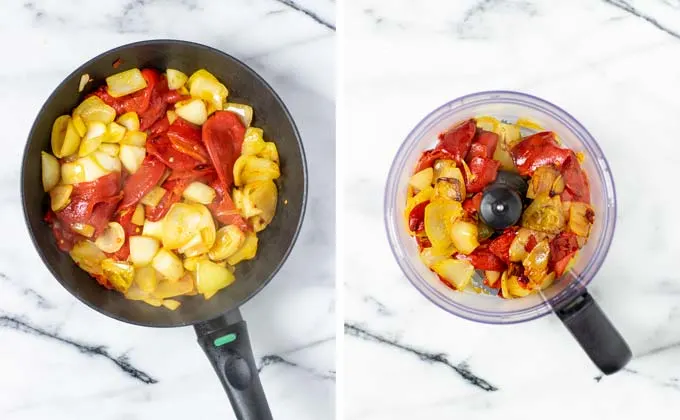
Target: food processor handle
592	329
226	343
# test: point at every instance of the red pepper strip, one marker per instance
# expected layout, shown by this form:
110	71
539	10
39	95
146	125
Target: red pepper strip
483	259
484	172
447	283
471	205
458	139
531	243
157	106
562	248
428	158
173	96
576	186
141	182
174	186
416	219
161	148
500	246
185	137
223	207
538	150
135	102
96	190
206	172
159	127
223	136
484	145
423	242
102	213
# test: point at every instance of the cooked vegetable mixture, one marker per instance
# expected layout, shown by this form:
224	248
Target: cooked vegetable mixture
448	185
158	185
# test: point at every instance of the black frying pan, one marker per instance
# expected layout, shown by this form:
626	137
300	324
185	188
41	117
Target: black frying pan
218	324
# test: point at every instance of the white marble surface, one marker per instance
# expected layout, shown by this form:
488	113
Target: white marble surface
56	355
613	65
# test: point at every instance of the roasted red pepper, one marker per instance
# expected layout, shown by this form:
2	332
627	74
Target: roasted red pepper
538	150
500	246
484	145
173	96
157	105
423	242
135	102
141	182
159	127
458	139
223	207
576	186
482	258
174	186
531	243
471	205
185	137
223	134
161	147
428	158
562	248
416	219
484	172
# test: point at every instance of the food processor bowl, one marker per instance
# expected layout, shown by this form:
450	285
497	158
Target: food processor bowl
570	289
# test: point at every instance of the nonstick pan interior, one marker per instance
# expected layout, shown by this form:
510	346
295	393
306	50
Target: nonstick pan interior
270	114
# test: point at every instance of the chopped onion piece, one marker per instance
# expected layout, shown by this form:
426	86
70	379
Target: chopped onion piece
132	157
146	278
138	215
211	277
191	262
536	262
72	173
96	132
517	289
79	125
134	138
107	162
229	239
110	149
176	79
270	152
168	264
247	251
202	84
91	169
167	289
249	169
464	236
253	141
199	193
457	272
580	217
182	223
492	277
153	229
94	109
65	139
206	226
261	197
112	239
60	197
193	111
171	304
88	257
143	249
171	115
154	301
129	120
84	80
114	132
429	259
119	273
134	292
51	171
125	83
439	217
83	229
544	214
245	112
422	179
153	197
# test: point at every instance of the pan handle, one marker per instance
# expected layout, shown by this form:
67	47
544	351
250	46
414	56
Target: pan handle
595	333
225	341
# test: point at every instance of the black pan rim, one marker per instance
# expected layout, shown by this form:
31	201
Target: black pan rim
152	42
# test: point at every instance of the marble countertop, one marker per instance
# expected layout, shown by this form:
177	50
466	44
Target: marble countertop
62	360
610	63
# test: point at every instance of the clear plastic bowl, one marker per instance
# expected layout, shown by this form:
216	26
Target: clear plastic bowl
508	106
